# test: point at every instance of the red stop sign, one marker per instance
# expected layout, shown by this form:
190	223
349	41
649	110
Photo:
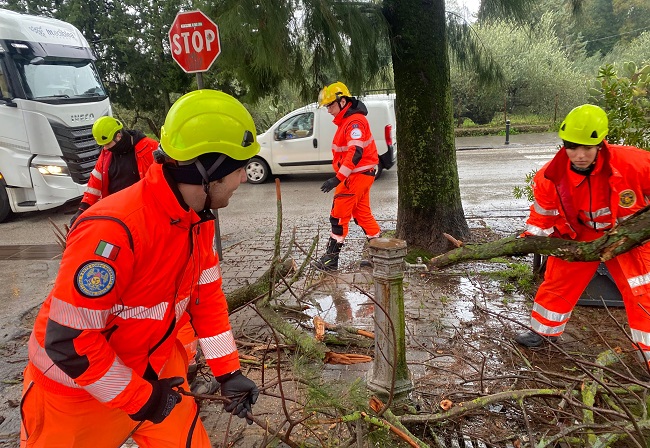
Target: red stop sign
194	41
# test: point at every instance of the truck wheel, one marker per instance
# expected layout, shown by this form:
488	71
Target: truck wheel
5	208
257	171
380	169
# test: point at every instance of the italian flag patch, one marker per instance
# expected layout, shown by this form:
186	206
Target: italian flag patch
107	250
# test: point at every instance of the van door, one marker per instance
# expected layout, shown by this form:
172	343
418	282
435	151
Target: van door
325	129
293	145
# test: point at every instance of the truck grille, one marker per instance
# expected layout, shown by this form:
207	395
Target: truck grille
80	151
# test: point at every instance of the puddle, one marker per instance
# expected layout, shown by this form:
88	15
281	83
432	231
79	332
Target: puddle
343	307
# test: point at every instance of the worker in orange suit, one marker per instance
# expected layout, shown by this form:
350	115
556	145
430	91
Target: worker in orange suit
105	363
354	159
125	157
584	191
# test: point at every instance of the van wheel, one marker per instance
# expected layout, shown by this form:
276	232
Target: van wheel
380	169
5	208
257	171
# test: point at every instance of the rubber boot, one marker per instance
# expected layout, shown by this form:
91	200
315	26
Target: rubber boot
366	261
330	261
532	339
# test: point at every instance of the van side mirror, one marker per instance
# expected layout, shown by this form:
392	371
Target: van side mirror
9	102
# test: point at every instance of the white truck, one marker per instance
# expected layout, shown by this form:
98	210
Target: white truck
301	141
50	95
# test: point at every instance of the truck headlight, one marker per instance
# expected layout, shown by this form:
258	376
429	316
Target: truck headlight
52	170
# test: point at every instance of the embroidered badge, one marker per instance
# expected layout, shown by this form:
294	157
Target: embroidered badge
95	279
107	250
356	133
626	198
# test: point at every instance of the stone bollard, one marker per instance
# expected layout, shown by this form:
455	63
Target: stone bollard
387	255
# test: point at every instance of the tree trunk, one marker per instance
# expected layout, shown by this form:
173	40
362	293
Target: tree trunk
429	202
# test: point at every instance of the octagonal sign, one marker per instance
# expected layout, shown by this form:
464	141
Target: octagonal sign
194	41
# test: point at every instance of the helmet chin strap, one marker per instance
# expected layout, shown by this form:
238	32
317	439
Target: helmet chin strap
206	178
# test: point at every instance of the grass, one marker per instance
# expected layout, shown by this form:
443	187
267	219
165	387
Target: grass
517	277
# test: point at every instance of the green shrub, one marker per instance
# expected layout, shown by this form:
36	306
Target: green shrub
625	94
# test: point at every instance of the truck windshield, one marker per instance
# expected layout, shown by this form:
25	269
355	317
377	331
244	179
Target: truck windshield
59	79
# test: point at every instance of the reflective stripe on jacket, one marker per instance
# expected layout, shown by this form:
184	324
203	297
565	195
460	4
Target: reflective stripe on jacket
573	206
134	263
353	147
97	187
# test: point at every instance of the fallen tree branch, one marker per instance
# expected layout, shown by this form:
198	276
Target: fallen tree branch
633	232
242	296
478	403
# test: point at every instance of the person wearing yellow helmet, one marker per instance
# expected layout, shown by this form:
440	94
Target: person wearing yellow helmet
354	160
105	363
125	157
584	191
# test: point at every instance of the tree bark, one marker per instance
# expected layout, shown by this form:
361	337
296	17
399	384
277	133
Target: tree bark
429	202
632	233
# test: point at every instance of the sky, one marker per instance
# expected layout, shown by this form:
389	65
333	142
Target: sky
466	8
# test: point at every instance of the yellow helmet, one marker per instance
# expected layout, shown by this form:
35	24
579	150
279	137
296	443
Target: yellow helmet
332	93
208	121
585	125
105	128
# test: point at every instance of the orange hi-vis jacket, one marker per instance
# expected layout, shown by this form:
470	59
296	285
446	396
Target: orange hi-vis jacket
134	263
572	206
353	147
97	187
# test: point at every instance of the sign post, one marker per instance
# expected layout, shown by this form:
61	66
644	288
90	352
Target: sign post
194	43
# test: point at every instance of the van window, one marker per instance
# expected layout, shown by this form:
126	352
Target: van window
298	126
4	88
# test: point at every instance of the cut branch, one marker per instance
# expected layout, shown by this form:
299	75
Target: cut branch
633	232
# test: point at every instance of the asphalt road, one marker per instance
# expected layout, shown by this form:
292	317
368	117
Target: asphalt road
488	170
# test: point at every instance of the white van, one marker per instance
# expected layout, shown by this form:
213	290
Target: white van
301	141
50	95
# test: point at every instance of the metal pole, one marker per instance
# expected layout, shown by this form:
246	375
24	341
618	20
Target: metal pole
215	212
507	132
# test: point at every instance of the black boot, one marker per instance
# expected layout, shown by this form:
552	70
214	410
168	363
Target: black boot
366	261
330	261
532	339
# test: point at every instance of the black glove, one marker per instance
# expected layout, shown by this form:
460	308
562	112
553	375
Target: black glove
75	216
329	184
242	392
161	402
83	206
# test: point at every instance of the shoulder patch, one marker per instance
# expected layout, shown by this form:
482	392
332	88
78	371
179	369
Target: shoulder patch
107	250
626	198
94	279
356	133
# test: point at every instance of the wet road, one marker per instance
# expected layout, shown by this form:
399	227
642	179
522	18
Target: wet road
488	170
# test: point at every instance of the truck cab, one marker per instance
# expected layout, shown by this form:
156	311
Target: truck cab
301	141
50	96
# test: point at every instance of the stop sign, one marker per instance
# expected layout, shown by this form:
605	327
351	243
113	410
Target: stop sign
194	41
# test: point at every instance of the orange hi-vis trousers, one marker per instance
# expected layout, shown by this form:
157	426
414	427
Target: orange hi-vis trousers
563	285
51	420
352	200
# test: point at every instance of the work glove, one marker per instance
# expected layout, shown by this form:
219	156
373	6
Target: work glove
75	216
329	184
161	402
242	392
83	206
